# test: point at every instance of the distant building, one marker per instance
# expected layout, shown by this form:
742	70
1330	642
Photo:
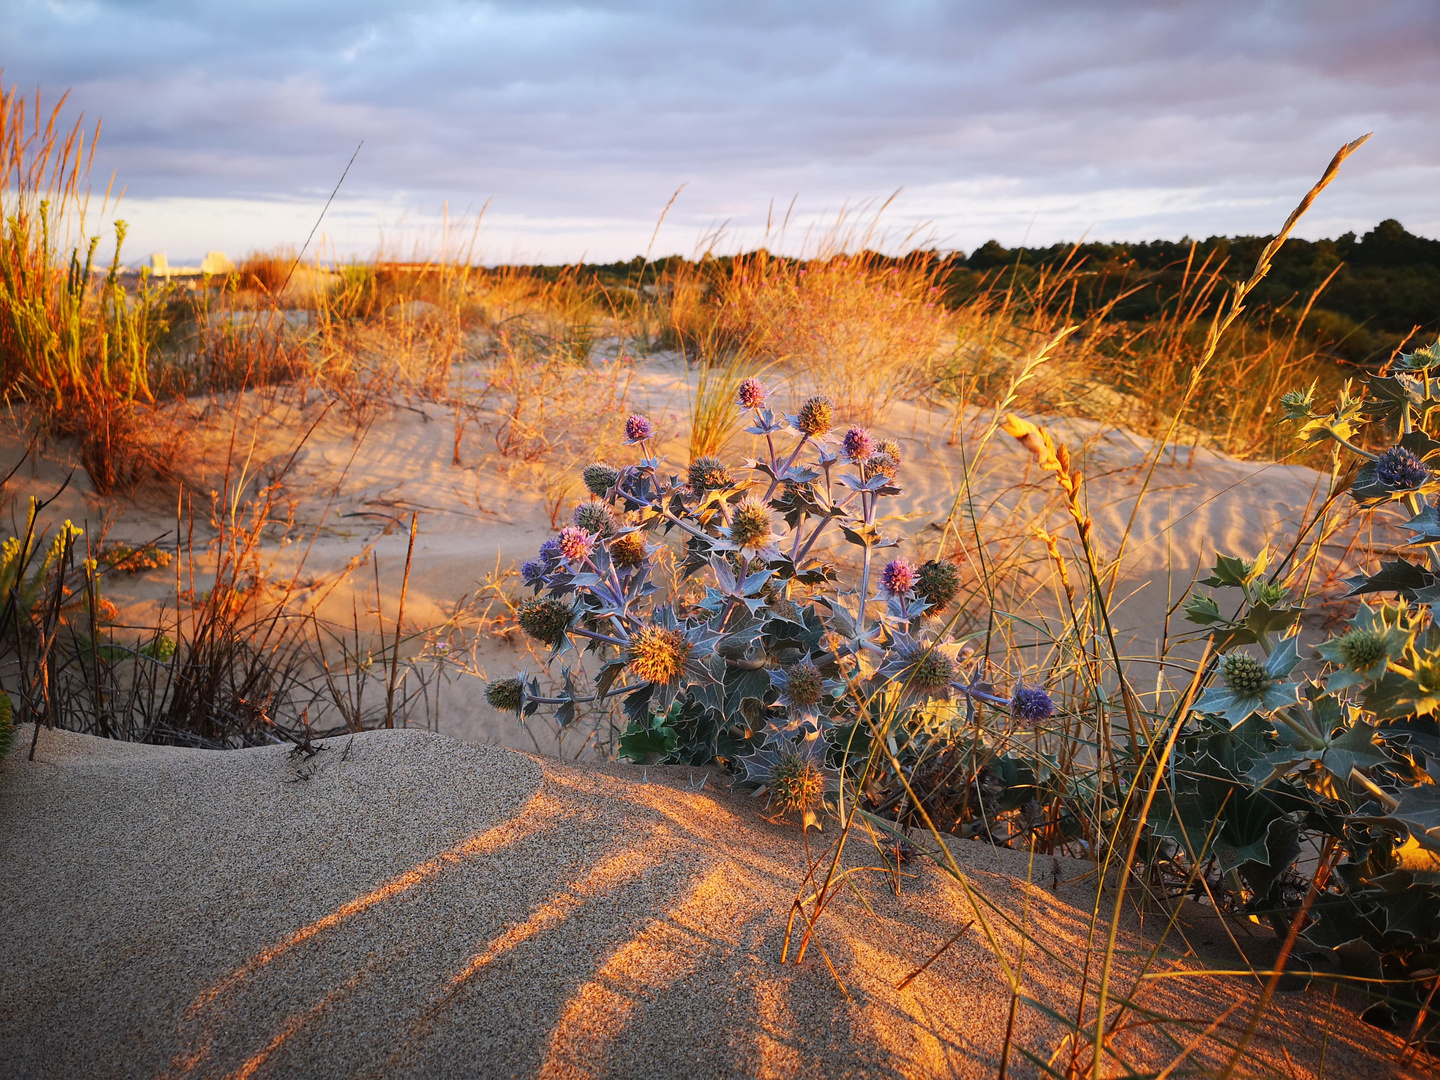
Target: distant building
215	262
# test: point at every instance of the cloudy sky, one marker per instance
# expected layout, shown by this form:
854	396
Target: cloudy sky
229	122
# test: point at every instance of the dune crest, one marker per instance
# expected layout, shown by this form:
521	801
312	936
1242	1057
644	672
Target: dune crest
400	904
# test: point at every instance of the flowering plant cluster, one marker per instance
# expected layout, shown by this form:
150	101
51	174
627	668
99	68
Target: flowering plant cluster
773	671
1339	758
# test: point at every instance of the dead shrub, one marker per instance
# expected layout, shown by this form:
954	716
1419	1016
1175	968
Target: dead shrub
265	272
122	443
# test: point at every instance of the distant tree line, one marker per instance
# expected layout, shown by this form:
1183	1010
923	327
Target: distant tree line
1385	284
1383	287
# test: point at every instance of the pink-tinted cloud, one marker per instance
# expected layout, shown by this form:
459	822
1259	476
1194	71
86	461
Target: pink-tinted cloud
1041	118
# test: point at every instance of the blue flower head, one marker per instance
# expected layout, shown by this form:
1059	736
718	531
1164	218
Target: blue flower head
1400	468
1031	704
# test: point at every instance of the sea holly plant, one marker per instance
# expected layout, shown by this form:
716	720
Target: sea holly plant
1332	747
767	660
1248	686
1263	612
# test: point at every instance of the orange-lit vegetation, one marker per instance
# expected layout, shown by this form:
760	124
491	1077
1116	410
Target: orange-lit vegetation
87	349
537	369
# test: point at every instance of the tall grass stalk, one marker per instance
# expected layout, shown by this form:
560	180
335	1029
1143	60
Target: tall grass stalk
1137	768
76	349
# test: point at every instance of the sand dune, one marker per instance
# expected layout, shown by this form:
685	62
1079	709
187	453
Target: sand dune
401	904
354	489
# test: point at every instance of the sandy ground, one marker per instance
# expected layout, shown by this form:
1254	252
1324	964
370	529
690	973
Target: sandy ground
404	905
354	488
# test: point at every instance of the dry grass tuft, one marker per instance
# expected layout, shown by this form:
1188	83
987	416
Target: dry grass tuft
122	444
853	327
266	272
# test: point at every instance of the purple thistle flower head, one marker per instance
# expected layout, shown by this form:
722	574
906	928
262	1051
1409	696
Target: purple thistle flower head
1031	704
638	429
857	444
751	394
576	544
550	550
899	577
534	571
1400	468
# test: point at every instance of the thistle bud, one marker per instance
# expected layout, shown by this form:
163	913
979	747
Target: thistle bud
507	695
638	429
750	526
545	619
600	478
751	394
709	474
816	416
594	517
1243	674
937	582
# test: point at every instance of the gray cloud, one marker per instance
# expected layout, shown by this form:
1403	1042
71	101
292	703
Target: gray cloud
1050	118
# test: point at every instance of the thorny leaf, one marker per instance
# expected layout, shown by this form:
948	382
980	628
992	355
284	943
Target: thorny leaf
1396	576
